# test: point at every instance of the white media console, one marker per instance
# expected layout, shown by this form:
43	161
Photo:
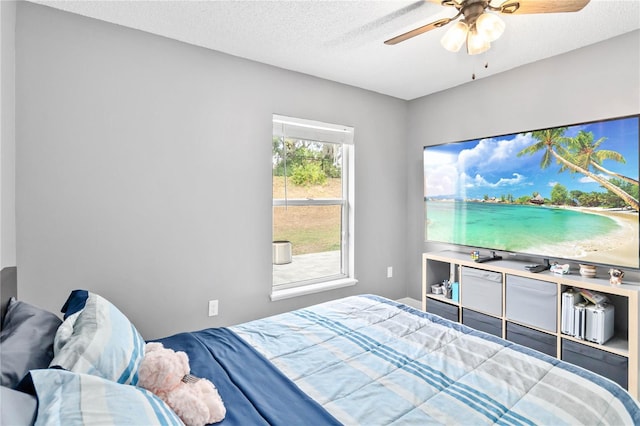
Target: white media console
503	298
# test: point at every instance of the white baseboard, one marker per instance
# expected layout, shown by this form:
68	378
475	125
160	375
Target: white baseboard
411	302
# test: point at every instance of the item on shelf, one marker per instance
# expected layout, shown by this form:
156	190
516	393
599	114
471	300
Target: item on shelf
584	320
535	268
483	259
588	271
570	298
615	276
455	291
560	269
446	289
593	297
579	320
599	321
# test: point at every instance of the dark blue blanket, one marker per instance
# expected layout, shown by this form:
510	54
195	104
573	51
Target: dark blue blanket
254	391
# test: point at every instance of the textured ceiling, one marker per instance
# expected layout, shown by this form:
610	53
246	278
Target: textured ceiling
343	40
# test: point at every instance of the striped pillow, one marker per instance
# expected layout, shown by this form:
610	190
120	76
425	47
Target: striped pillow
66	398
96	338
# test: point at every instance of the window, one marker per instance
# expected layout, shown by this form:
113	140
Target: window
312	206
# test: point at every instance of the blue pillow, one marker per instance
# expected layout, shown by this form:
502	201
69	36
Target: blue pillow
75	303
67	398
97	339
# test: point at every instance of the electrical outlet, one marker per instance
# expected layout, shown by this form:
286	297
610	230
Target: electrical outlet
389	271
213	308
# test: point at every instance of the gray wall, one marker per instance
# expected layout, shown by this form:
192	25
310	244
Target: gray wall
7	135
598	81
144	173
143	164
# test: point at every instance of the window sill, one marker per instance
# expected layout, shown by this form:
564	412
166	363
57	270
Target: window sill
312	288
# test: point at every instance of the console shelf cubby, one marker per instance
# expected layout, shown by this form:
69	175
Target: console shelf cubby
508	283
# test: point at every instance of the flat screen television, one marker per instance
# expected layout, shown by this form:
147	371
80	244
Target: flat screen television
562	193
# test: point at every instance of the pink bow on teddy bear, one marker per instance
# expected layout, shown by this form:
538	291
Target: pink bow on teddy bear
166	373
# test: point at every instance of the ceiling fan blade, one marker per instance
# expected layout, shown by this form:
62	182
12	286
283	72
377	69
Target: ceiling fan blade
420	30
521	7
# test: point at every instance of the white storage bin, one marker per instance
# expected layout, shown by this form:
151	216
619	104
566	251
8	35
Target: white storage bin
532	302
481	290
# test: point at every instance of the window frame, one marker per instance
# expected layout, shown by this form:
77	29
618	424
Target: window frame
290	127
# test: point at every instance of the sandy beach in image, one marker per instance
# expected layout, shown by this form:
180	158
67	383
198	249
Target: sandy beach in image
619	247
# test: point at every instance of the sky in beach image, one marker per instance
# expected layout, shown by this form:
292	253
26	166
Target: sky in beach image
491	167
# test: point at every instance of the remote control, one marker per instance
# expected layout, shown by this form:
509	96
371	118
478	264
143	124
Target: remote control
535	268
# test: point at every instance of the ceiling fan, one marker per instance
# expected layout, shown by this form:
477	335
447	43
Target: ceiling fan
478	26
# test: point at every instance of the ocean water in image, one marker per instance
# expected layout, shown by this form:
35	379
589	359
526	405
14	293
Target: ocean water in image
511	227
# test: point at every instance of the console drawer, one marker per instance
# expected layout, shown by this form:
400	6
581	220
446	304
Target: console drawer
482	322
442	309
534	339
611	366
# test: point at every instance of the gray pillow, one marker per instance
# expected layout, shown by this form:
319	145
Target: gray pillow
26	340
17	408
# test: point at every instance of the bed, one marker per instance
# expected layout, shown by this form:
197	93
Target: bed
360	360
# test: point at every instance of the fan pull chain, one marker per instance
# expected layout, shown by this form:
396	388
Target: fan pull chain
473	76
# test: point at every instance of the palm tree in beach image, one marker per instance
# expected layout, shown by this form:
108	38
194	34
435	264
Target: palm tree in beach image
553	142
587	153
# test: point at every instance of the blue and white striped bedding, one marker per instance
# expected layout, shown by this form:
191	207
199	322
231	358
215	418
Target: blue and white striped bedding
371	361
67	398
96	338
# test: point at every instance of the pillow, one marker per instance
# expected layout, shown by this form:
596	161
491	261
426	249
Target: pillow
98	339
26	340
17	408
66	398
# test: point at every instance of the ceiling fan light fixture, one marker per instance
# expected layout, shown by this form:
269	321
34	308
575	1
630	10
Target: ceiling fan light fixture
490	26
496	3
477	43
455	37
479	25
